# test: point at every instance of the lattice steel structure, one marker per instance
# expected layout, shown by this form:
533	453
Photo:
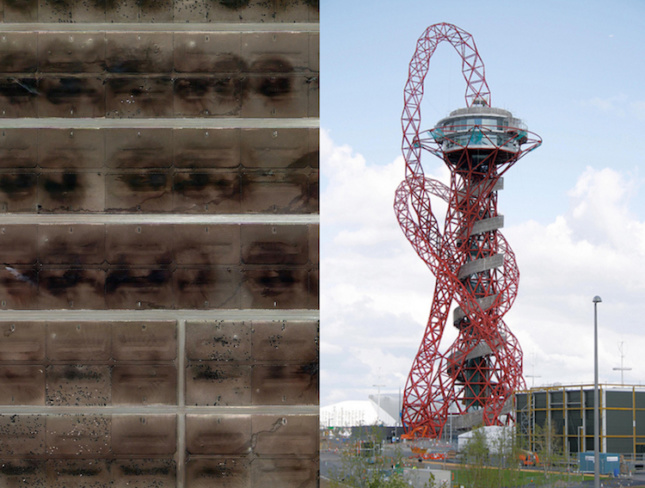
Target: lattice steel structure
470	258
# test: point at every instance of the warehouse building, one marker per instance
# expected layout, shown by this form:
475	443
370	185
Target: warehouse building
569	412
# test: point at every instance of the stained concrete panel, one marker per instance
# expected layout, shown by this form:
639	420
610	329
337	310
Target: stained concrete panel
285	342
212	383
22	385
141	148
66	149
74	385
80	436
154	435
76	52
144	473
285	384
18	148
147	341
19	244
22	341
218	435
287	473
225	472
18	52
141	52
78	342
22	436
134	384
219	341
206	148
287	435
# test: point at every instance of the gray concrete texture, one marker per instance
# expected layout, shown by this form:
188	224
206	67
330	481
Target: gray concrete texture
160	243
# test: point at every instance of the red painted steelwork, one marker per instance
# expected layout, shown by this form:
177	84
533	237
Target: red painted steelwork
473	264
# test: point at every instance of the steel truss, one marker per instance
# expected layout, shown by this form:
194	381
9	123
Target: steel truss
473	264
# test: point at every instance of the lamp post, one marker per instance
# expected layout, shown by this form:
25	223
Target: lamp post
596	423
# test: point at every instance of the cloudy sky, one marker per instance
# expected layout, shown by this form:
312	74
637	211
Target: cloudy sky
574	209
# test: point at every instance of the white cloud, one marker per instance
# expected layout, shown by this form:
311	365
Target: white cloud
376	293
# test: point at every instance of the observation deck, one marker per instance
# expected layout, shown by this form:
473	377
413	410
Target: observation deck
484	133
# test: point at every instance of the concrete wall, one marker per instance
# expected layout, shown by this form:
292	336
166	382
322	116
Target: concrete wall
159	240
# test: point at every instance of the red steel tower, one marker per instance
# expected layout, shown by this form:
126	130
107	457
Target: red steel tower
473	264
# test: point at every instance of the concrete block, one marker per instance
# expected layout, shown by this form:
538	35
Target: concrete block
287	473
275	93
275	244
71	52
218	341
211	383
139	289
218	434
22	341
90	473
139	97
19	244
208	52
280	52
71	191
136	384
139	192
77	342
22	436
66	149
140	245
18	192
18	52
27	472
144	473
18	288
78	436
206	148
275	288
139	52
22	385
224	472
285	341
207	288
144	341
21	11
17	148
285	436
71	288
201	192
18	97
207	245
273	192
70	97
73	385
285	384
75	244
144	435
140	148
275	148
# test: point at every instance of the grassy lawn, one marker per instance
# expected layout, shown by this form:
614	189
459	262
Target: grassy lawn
506	477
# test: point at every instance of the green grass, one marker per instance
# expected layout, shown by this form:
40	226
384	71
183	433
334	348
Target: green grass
510	477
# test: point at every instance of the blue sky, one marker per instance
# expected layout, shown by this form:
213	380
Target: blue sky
574	71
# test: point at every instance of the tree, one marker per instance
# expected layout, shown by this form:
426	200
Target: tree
476	455
548	446
359	471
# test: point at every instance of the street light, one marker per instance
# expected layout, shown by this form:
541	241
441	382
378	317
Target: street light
596	427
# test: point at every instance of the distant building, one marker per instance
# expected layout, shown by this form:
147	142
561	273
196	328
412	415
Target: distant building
569	410
361	412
